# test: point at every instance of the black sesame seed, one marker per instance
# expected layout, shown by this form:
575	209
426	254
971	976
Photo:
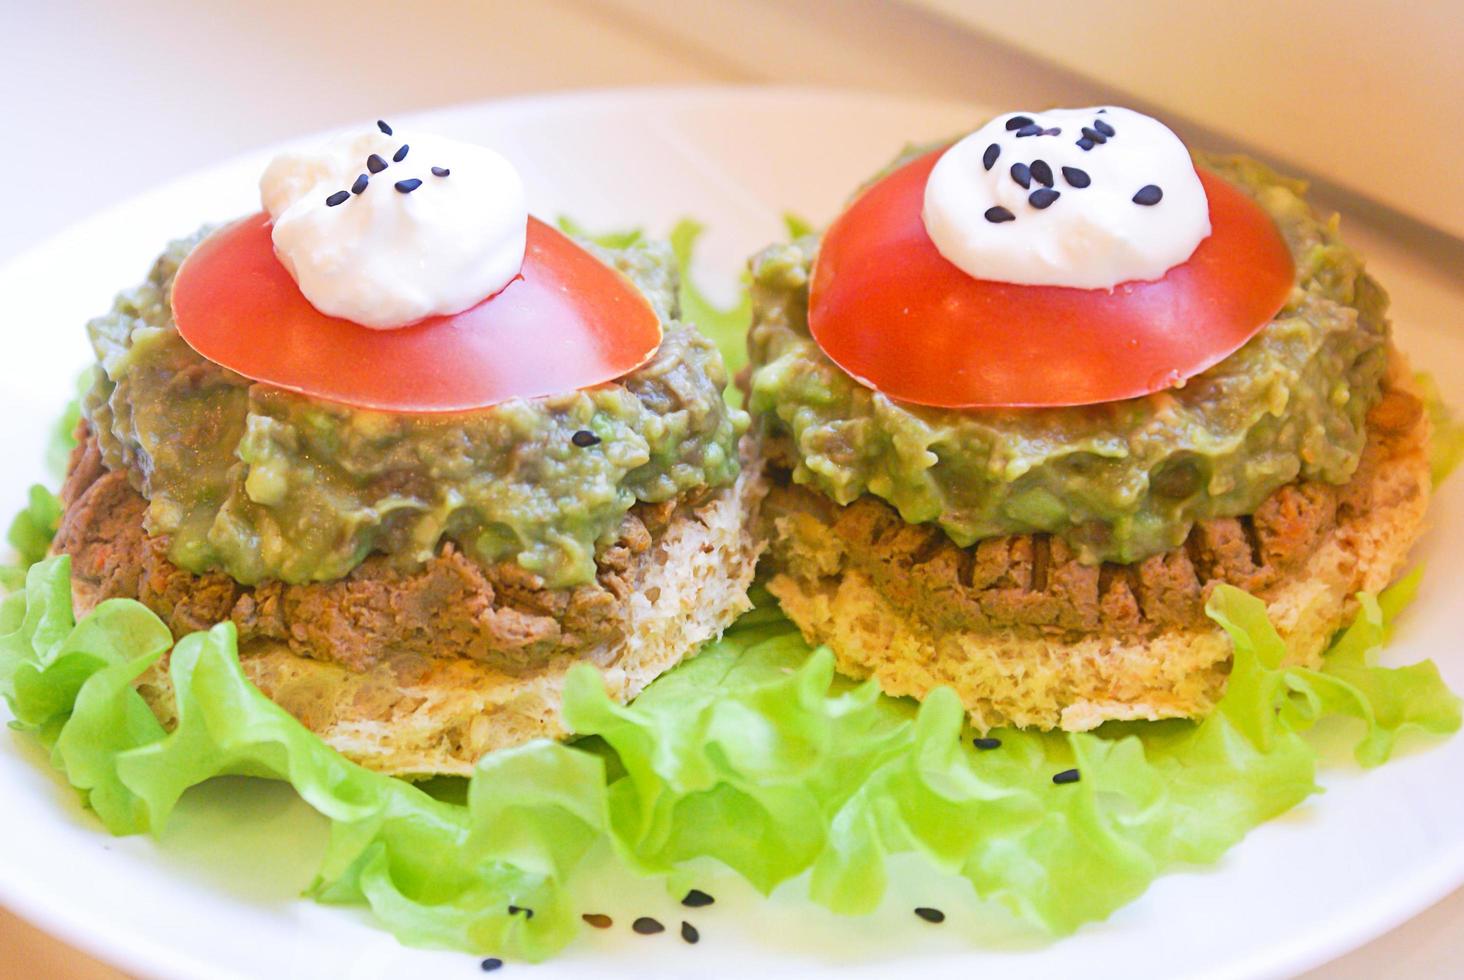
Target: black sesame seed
408	185
400	154
1022	175
1017	122
1076	177
1103	127
930	915
375	164
996	215
1041	172
1085	144
598	920
1067	776
584	439
360	184
1102	111
383	127
1032	130
689	933
1054	131
1043	197
696	899
986	743
516	909
1149	195
989	157
647	926
440	171
1094	135
491	963
339	197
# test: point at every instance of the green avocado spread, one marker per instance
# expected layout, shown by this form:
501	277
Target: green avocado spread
264	484
1118	481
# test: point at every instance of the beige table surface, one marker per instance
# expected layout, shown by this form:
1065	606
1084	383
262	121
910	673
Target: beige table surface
100	101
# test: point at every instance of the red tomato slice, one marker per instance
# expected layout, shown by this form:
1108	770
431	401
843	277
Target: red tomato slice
567	321
890	310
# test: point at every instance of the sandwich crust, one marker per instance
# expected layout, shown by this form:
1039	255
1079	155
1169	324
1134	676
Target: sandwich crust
1029	636
418	673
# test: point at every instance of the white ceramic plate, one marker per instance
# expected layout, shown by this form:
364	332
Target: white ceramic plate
216	895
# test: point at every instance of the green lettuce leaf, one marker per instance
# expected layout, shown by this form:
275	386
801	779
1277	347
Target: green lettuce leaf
30	534
605	239
724	326
754	753
32	529
1387	701
434	872
1446	449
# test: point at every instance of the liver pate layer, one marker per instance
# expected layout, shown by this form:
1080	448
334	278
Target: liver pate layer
451	608
1034	582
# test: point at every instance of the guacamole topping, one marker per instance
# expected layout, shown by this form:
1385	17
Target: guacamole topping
1118	481
264	484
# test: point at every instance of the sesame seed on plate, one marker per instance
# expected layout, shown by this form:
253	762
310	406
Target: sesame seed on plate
490	964
647	926
584	439
696	899
989	157
1094	135
996	215
1067	776
339	197
930	915
381	125
689	933
1103	127
1085	144
408	185
1022	175
400	154
986	742
440	171
360	185
598	920
1041	172
1017	122
375	163
1031	130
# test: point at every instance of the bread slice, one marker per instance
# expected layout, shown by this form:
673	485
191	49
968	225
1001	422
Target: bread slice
413	714
1045	643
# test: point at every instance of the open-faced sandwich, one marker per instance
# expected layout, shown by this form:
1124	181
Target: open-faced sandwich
424	451
1034	394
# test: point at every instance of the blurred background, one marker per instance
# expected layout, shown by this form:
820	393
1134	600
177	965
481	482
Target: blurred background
1362	95
103	100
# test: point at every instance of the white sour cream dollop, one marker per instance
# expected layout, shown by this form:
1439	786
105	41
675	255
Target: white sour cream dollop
384	257
1100	223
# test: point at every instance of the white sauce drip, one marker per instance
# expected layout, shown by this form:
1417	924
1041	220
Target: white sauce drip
384	258
1089	237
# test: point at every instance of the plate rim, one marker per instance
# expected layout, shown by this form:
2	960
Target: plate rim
45	908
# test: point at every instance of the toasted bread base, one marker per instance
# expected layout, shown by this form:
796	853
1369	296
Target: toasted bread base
1008	676
440	717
